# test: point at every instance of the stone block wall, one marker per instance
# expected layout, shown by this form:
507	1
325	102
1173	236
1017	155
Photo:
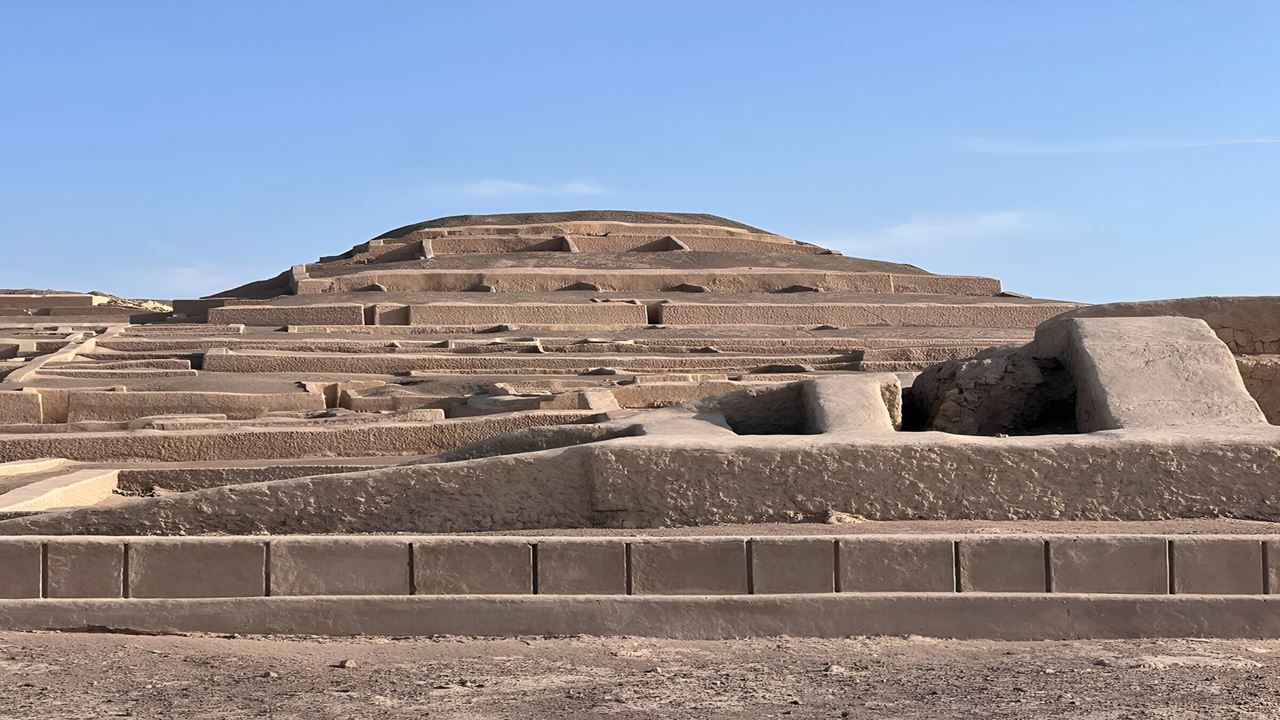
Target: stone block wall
246	567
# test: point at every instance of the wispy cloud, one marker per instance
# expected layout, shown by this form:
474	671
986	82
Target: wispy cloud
494	187
183	281
943	230
1100	147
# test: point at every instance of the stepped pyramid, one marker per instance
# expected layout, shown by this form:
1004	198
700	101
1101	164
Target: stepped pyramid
588	385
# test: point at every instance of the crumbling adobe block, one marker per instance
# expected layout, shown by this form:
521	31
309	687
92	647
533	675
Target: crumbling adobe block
1149	372
20	407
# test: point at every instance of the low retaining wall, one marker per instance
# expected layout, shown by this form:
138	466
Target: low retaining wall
195	567
280	315
606	313
263	361
1012	587
983	315
276	442
91	405
630	482
727	280
33	302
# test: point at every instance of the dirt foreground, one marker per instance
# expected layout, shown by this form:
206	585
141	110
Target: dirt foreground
48	675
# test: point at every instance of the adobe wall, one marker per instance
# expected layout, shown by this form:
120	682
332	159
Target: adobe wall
297	441
1248	325
684	479
606	313
857	315
523	363
20	407
34	302
97	405
1010	587
283	566
736	280
279	315
1261	374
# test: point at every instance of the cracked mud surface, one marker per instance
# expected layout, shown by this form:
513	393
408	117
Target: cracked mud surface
50	675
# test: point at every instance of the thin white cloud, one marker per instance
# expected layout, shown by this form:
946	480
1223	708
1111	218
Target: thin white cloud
494	187
1100	147
943	230
184	281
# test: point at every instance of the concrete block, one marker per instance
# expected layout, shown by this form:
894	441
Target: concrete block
1109	565
897	565
582	567
685	566
85	568
472	567
197	568
339	566
20	568
1005	564
1217	566
793	565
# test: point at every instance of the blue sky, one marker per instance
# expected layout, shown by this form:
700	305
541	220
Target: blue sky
1085	150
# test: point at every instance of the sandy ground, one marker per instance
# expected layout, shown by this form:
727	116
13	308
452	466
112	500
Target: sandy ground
48	675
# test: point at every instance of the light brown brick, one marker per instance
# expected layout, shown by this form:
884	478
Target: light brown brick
897	565
339	566
678	566
197	567
1109	565
793	565
479	567
582	567
1006	564
1217	566
85	568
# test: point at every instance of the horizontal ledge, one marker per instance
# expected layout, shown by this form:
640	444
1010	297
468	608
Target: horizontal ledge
969	616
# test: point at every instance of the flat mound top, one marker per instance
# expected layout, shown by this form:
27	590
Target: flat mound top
537	218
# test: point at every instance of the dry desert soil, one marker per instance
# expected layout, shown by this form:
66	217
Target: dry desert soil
51	675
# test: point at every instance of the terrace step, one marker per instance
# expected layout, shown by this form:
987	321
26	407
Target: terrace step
61	490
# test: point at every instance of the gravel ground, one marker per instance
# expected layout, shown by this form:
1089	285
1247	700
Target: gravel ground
50	675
